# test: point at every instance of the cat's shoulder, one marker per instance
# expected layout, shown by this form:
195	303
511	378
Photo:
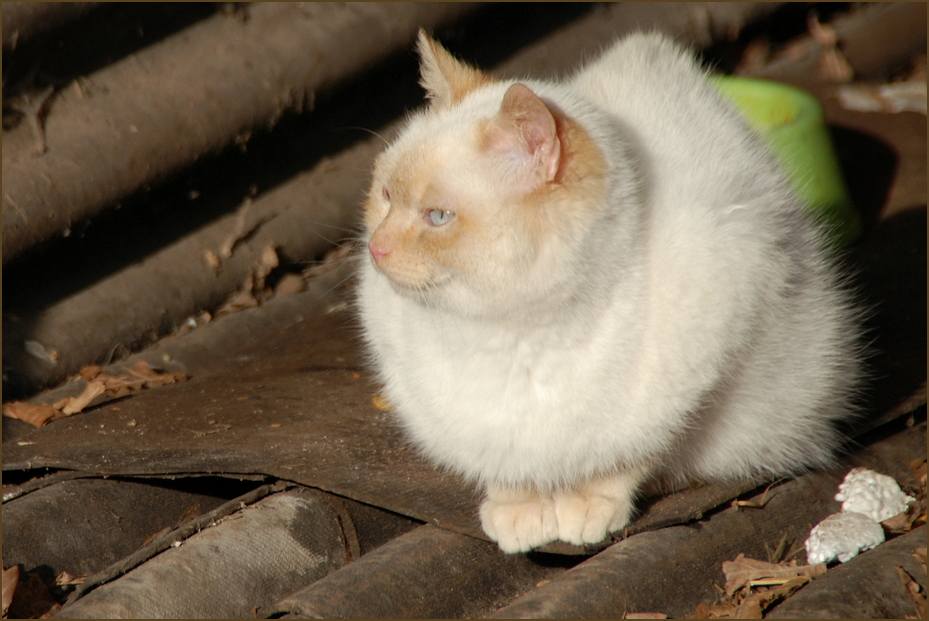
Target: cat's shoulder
646	53
648	48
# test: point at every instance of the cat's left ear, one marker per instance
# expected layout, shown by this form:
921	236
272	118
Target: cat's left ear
446	79
524	131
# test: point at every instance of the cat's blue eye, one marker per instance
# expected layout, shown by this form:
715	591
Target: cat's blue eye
438	217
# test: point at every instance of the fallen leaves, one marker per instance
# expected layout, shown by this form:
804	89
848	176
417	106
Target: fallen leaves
253	291
242	228
916	592
10	580
915	515
68	579
907	94
833	66
822	44
752	586
27	596
749	572
101	385
36	414
73	405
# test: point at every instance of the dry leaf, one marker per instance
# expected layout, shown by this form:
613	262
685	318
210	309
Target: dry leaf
895	97
105	384
144	371
10	580
239	301
754	58
68	579
240	230
746	571
918	466
754	606
190	512
289	284
920	555
32	599
914	590
211	259
141	375
703	611
90	372
76	404
332	259
268	260
36	414
157	533
752	586
833	65
899	523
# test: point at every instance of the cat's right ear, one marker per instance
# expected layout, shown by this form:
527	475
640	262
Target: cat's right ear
525	134
445	78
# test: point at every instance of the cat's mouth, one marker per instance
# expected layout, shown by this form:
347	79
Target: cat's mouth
416	287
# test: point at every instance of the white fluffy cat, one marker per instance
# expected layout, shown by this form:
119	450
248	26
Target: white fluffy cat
574	287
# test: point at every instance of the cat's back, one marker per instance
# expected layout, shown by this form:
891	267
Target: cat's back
691	139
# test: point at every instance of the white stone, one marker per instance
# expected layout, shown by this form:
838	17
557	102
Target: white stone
876	495
842	536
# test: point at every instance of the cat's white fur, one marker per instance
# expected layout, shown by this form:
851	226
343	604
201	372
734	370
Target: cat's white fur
676	315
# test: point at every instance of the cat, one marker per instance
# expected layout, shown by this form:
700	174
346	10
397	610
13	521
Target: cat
573	288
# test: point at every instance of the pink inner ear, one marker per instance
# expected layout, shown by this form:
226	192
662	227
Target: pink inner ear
528	126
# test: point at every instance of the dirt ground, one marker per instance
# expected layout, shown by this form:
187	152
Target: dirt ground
189	428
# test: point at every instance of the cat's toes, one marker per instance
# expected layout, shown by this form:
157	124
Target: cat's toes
586	518
519	526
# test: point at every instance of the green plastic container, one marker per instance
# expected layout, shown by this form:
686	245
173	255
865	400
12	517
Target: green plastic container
791	121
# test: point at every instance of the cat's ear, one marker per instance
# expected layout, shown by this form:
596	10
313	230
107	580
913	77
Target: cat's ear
525	132
445	78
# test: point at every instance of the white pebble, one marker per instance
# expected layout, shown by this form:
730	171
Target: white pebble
876	495
842	536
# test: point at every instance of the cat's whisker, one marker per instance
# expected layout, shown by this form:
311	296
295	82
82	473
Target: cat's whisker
365	129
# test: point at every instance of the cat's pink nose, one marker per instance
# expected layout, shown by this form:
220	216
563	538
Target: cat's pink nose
378	251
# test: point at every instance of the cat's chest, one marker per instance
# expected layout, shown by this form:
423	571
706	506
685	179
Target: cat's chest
456	362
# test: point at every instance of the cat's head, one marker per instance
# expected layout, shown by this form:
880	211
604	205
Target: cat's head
478	204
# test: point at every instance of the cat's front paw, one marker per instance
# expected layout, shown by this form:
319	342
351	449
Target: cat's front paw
518	520
585	517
